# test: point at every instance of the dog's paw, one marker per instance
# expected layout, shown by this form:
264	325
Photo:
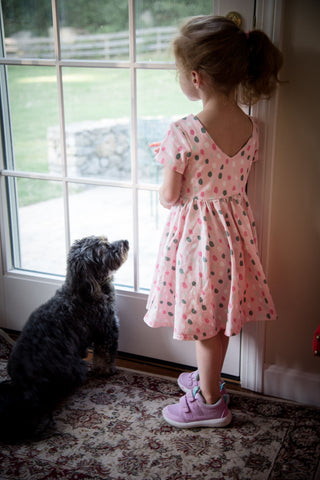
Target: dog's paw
103	366
103	372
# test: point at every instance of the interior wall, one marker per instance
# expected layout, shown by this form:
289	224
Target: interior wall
294	269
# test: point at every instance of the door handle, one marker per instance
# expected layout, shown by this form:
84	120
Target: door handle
235	17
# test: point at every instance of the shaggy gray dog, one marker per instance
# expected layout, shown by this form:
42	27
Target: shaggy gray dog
46	363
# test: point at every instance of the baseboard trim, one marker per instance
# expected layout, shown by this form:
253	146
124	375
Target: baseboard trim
291	384
157	363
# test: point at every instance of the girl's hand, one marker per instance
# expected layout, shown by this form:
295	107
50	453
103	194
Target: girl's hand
155	145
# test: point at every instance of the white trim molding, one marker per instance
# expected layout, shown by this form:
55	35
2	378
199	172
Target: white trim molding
269	19
252	356
292	384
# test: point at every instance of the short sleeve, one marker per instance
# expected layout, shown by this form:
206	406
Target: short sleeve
175	149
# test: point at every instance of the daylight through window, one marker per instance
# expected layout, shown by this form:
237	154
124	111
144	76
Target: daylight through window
86	87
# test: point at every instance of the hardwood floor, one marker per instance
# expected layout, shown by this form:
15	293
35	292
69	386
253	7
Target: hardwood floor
148	365
167	370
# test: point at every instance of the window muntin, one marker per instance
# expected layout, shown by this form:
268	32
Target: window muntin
159	102
33	99
41	227
97	122
151	220
139	92
98	30
107	211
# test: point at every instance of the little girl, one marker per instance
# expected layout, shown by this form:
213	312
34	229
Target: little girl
208	279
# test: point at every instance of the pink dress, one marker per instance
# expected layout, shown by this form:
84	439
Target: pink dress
208	275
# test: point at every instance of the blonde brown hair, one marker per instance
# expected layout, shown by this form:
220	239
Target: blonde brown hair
230	57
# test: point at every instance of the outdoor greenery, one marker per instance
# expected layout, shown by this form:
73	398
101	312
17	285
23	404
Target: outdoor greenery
89	94
96	15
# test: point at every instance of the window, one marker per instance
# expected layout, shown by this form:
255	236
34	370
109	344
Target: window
86	86
68	73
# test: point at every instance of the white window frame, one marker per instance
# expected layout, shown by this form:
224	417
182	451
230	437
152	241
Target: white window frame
268	17
134	185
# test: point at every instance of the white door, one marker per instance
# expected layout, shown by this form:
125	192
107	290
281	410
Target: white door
83	93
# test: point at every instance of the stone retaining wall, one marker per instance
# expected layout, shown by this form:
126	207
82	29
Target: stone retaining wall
102	149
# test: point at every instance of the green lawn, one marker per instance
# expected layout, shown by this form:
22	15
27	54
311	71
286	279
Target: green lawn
89	94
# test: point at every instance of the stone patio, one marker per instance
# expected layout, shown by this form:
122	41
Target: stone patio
94	211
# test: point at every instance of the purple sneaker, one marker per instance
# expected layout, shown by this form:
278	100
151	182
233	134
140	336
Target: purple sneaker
187	381
192	411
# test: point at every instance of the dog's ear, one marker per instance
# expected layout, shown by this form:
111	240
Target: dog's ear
86	284
91	262
81	277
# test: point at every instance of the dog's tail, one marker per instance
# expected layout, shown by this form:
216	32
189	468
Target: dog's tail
20	415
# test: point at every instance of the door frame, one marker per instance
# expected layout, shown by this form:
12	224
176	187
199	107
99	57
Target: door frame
268	17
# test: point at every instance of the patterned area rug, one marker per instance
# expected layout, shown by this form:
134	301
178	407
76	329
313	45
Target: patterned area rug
113	430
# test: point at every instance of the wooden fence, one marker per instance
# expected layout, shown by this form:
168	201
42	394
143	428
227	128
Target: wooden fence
96	46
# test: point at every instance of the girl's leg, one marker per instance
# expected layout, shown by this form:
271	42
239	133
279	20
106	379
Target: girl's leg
210	357
191	411
225	343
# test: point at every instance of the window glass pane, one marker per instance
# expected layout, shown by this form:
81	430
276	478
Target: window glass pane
103	211
34	118
95	30
157	23
97	112
160	101
151	221
28	29
41	226
97	103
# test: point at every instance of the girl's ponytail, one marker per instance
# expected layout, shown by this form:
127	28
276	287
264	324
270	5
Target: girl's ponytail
265	61
230	58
